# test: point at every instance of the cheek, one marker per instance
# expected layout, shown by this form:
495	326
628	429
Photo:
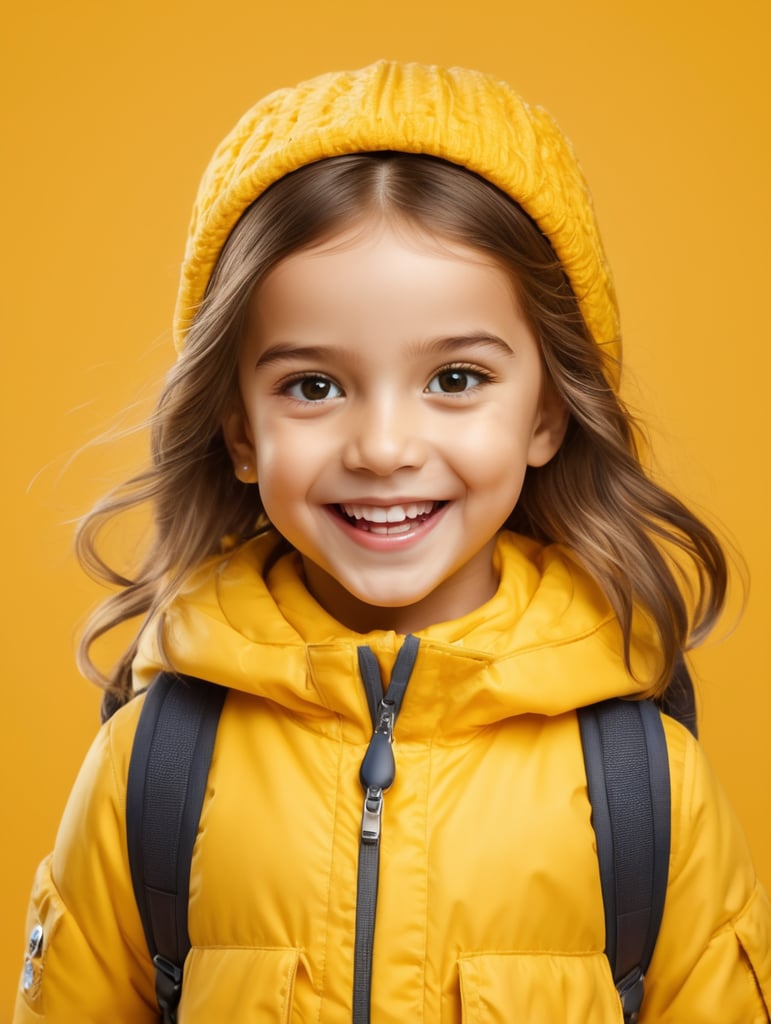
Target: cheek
281	495
493	468
498	445
290	460
275	445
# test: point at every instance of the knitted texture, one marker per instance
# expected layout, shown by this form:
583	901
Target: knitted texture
466	117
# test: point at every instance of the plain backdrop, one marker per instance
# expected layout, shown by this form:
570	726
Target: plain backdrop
110	113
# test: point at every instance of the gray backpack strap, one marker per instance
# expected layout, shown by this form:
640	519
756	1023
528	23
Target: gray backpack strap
627	771
166	786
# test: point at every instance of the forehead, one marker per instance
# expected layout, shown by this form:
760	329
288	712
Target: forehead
380	265
382	295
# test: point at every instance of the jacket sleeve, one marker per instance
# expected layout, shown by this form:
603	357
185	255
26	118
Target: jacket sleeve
86	958
712	962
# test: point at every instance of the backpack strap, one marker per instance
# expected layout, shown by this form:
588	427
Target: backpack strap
627	771
165	791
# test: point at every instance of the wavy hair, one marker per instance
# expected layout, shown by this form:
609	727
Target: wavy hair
646	550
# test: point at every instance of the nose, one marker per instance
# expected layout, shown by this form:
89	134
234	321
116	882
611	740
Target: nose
382	436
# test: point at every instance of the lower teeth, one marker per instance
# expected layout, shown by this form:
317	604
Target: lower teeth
388	530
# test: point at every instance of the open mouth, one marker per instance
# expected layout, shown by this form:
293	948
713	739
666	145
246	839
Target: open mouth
387	520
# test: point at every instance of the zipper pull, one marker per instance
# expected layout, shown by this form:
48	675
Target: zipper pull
377	772
372	816
379	767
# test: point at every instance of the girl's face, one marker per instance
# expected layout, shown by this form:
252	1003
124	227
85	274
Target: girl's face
392	397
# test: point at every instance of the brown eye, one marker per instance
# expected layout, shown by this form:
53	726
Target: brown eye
454	381
313	389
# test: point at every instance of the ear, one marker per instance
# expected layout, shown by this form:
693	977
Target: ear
239	442
550	427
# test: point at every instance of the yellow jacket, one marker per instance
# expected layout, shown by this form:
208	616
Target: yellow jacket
489	905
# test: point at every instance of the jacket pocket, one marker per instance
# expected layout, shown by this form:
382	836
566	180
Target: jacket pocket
237	985
540	988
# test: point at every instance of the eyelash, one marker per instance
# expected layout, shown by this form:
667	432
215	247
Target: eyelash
484	377
470	370
284	387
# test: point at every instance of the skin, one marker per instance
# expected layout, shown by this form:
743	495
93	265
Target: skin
388	373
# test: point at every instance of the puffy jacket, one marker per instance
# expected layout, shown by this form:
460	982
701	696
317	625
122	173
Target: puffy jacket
489	905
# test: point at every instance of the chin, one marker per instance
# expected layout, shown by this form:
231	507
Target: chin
388	599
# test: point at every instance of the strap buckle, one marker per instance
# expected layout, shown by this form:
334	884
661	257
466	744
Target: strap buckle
631	988
168	987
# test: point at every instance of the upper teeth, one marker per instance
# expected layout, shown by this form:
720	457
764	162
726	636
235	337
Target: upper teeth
390	514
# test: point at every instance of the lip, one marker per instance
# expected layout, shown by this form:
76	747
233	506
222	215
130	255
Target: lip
419	529
383	502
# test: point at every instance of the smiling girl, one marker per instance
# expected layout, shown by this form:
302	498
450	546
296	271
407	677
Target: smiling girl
395	412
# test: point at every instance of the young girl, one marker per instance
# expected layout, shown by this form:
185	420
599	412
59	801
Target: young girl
395	412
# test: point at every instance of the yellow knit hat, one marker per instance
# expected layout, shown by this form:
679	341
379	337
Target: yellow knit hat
465	117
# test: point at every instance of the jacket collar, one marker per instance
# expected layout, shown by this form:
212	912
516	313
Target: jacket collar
546	643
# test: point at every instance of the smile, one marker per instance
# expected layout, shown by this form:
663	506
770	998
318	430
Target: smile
388	520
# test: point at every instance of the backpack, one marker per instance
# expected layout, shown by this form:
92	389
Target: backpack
627	771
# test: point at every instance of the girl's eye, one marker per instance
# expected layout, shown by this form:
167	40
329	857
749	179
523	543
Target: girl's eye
455	380
312	389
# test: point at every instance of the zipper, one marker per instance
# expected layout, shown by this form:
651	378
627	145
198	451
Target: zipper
376	775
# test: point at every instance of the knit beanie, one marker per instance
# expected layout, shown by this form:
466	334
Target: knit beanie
465	117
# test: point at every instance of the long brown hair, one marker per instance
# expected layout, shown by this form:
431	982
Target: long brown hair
646	550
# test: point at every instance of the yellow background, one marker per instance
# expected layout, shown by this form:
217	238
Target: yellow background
112	111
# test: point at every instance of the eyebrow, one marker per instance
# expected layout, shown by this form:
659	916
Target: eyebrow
454	342
287	351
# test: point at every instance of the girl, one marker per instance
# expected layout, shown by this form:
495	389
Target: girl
395	412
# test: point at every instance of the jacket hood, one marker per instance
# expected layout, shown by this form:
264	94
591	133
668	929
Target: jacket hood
253	626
